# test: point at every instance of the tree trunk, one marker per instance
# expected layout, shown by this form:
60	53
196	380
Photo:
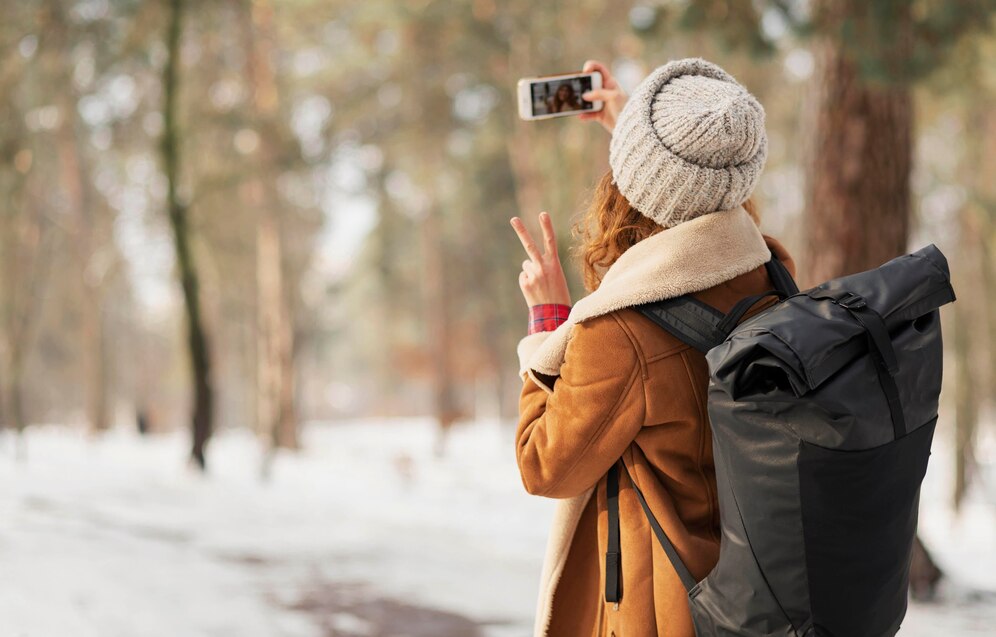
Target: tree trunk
428	50
24	272
973	271
859	188
438	323
73	180
858	213
276	410
965	397
275	359
13	409
924	573
16	322
197	337
94	371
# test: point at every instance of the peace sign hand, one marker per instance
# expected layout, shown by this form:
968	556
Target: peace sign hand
542	278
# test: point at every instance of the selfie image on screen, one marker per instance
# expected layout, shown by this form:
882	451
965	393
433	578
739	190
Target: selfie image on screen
561	96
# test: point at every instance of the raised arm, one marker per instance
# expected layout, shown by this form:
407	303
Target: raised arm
568	438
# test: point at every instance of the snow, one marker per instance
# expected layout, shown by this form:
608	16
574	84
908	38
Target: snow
364	532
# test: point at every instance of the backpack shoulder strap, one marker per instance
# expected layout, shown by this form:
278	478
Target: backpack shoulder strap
688	319
702	326
612	557
780	276
612	592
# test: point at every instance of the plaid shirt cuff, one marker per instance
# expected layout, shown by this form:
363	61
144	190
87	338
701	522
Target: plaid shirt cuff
547	316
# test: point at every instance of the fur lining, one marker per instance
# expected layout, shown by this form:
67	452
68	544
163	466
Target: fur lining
527	347
692	256
565	521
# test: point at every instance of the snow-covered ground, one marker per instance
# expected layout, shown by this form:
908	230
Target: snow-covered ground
363	533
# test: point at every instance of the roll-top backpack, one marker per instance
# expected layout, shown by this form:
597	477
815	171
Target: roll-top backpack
822	408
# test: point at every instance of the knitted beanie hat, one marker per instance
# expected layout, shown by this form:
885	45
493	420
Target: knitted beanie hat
689	141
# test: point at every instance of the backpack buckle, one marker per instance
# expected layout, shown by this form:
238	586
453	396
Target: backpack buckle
850	300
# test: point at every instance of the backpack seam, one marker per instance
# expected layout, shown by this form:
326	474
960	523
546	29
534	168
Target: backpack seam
679	346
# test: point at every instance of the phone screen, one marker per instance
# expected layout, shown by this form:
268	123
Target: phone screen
560	95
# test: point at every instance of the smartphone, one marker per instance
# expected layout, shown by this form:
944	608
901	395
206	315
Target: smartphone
557	95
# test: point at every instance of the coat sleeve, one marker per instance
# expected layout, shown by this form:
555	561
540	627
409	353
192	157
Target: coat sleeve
568	437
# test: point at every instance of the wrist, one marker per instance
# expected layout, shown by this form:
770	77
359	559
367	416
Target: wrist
546	317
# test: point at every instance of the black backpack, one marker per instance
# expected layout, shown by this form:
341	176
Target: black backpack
822	409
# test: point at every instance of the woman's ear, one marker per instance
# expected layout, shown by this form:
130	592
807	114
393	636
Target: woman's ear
752	210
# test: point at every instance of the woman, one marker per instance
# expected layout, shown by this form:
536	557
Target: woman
564	99
604	383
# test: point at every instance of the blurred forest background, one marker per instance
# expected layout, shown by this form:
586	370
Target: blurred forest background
256	217
255	214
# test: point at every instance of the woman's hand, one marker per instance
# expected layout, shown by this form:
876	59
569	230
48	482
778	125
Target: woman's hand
542	278
611	95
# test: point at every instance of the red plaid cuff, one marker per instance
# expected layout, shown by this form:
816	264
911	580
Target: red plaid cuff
547	316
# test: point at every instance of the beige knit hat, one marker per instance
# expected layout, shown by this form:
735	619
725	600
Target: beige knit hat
689	141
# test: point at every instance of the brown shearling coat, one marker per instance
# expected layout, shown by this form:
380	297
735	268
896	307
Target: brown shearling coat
626	388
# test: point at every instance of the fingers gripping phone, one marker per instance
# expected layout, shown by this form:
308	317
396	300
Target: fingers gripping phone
557	95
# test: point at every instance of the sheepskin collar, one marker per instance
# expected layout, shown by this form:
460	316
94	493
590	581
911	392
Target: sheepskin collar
690	257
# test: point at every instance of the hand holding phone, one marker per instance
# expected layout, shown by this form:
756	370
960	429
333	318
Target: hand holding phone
611	95
558	95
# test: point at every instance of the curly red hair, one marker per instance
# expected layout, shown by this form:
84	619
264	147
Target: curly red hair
611	226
